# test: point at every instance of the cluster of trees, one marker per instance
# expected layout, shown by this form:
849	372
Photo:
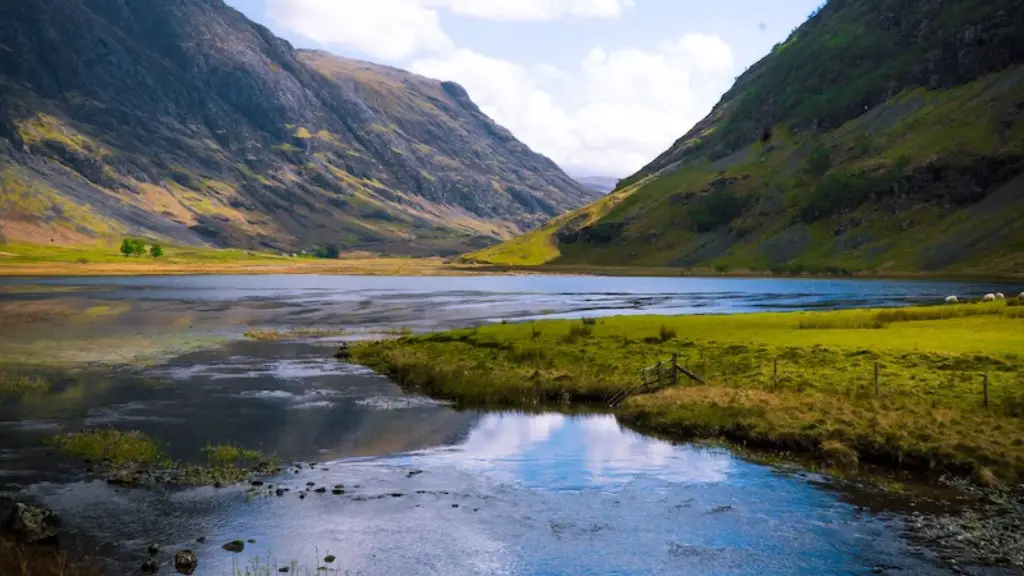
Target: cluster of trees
137	248
329	251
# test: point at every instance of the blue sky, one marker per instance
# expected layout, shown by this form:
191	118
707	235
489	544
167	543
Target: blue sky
600	86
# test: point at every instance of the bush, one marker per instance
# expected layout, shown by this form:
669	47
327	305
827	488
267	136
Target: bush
716	209
127	248
156	251
329	251
665	333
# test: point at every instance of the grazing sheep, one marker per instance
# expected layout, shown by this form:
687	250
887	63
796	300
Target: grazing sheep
989	298
952	300
1000	296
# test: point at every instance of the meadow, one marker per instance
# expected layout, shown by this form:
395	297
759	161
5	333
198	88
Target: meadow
801	382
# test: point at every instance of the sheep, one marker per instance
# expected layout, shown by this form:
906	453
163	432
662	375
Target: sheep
989	298
1000	296
952	300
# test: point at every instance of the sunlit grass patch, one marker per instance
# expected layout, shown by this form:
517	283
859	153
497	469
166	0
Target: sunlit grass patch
273	335
117	446
14	383
772	381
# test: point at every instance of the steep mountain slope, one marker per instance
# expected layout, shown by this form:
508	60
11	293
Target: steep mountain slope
882	136
184	120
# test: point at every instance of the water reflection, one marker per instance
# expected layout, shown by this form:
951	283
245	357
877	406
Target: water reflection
578	453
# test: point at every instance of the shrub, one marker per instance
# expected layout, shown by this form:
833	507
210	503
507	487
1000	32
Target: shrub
718	208
329	251
665	333
127	247
156	251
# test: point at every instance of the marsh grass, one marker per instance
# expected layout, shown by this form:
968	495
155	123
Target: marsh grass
20	560
295	333
117	446
929	413
17	384
123	452
877	319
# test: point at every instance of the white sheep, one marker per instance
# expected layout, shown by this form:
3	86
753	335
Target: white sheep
952	300
988	298
1000	296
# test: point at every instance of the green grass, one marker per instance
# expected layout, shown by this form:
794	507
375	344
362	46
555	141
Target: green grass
274	335
929	414
121	453
21	253
117	446
18	384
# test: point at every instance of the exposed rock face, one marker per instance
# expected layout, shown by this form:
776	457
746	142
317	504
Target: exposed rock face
31	525
183	119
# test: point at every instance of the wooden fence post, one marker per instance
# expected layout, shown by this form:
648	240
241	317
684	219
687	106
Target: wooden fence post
876	379
675	368
985	389
775	375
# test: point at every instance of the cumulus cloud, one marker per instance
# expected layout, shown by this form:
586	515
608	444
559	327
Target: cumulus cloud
523	10
608	116
387	29
619	110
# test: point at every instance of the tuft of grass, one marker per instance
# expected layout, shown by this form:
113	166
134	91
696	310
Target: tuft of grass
17	384
929	413
262	335
666	333
118	446
20	560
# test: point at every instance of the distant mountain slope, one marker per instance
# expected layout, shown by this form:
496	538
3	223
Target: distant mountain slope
184	120
602	184
882	136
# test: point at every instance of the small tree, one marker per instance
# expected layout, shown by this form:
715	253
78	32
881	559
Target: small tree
156	251
138	248
127	247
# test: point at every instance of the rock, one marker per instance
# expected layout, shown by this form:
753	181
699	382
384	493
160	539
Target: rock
153	549
279	491
329	558
310	484
185	562
284	569
31	525
257	483
414	473
201	540
343	352
337	492
235	546
150	566
252	540
320	490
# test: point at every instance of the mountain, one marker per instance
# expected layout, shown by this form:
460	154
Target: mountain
602	184
882	136
183	120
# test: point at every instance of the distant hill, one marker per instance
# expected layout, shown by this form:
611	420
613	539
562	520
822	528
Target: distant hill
183	120
882	136
602	184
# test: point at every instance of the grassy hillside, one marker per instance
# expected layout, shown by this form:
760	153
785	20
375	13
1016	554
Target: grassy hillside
882	137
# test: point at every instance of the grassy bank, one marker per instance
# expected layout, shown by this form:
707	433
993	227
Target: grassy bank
35	260
929	413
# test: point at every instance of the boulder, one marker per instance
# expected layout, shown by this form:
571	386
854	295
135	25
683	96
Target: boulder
31	525
186	562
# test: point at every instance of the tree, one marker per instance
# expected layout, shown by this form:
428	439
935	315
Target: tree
329	251
127	247
156	251
138	247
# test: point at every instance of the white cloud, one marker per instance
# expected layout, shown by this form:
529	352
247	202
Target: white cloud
617	112
388	29
523	10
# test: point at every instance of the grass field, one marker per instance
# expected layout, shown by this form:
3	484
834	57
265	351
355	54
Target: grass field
929	413
18	259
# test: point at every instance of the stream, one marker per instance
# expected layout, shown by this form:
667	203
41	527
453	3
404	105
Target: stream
427	489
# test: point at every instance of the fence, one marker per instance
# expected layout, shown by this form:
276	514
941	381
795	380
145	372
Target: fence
666	373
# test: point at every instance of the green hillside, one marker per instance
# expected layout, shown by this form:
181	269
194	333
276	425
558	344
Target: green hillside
882	136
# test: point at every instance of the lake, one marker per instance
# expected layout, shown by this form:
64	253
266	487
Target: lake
428	489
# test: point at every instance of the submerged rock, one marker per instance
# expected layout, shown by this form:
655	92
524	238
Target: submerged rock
235	546
31	525
150	566
153	549
186	562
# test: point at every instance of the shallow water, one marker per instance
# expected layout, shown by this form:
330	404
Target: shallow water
499	493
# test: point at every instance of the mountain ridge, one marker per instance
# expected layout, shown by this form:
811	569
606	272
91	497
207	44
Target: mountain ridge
883	136
186	121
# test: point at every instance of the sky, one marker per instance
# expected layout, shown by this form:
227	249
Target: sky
599	86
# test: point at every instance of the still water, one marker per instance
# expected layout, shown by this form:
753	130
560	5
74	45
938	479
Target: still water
428	489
